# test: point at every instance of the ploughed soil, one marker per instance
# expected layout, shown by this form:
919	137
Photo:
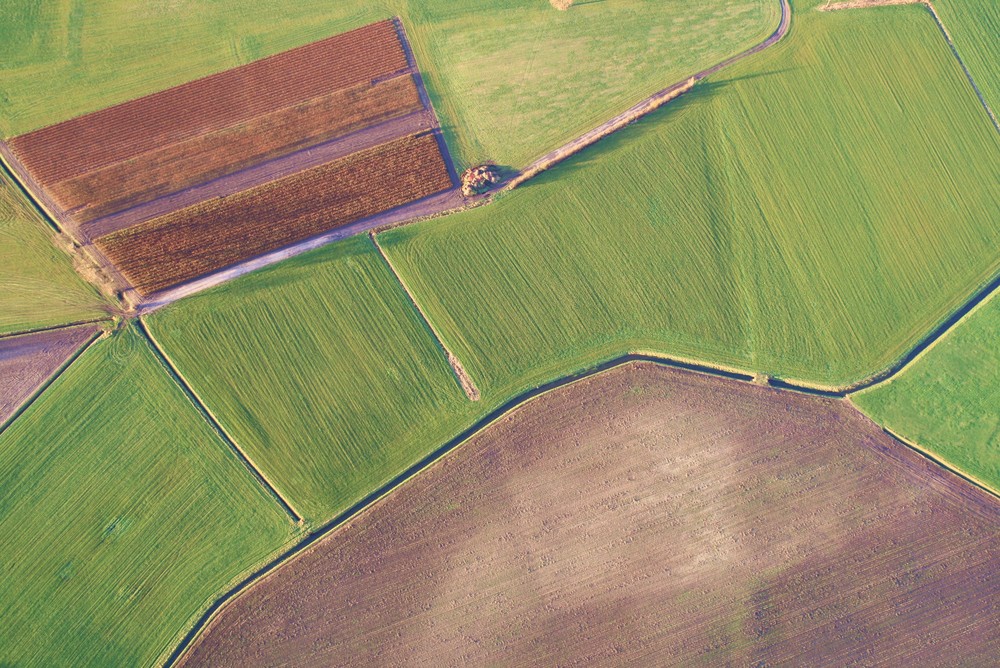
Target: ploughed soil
209	236
27	361
646	516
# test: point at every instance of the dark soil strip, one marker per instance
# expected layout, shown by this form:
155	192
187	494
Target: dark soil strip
48	382
259	174
205	413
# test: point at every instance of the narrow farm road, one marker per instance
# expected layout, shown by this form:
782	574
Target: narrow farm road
452	201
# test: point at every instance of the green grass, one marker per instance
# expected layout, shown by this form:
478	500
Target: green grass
122	515
321	370
948	400
974	26
511	78
39	285
810	213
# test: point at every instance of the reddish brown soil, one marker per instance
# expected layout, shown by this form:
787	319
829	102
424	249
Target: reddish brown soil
28	361
259	174
86	143
194	241
173	167
650	517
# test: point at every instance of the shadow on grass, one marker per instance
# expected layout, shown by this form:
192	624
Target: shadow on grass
703	93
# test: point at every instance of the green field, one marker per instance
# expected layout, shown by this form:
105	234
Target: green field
510	78
321	370
974	25
39	285
122	515
948	401
810	213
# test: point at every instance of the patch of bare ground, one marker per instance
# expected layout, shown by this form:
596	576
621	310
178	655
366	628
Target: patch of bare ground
646	516
27	361
860	4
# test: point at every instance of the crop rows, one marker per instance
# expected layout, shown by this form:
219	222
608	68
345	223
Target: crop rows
214	234
173	167
85	143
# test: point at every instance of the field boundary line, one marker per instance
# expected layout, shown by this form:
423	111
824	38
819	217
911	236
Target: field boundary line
74	356
928	455
51	328
214	423
645	106
944	327
438	454
12	168
968	75
461	375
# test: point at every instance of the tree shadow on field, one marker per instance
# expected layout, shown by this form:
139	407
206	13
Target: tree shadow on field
693	101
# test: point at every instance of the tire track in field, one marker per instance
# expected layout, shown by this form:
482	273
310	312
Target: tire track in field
174	373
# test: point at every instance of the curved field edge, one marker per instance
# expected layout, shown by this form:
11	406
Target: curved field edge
632	384
40	287
676	234
946	401
485	63
326	375
123	512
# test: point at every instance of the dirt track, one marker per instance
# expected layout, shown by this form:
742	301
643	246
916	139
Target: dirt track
271	170
645	515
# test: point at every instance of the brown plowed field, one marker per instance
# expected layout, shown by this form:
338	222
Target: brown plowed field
199	239
28	361
646	517
173	167
83	144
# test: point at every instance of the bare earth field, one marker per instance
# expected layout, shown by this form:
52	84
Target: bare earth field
645	515
27	361
199	239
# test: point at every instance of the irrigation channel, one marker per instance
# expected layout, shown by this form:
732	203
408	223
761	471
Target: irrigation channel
446	205
372	226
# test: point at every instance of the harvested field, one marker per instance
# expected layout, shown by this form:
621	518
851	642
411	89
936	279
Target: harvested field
28	361
130	154
646	513
173	167
216	233
86	143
